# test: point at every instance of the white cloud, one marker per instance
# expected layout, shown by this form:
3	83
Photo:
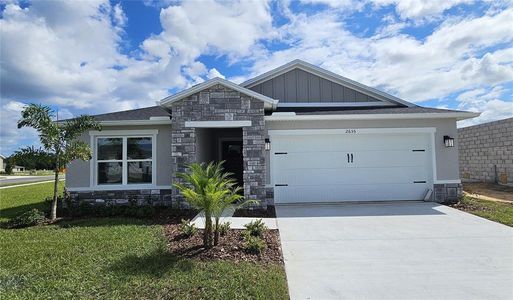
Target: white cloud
10	135
448	60
420	9
68	54
213	73
487	101
231	28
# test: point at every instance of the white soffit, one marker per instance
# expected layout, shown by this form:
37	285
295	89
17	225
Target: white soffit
291	116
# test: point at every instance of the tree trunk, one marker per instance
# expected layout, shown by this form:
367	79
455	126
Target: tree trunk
207	235
53	214
216	232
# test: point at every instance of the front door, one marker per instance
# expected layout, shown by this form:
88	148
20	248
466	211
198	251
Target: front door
231	153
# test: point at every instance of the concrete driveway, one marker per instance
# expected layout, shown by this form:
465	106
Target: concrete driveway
406	250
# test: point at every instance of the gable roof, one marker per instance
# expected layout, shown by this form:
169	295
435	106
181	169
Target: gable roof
269	102
134	114
153	115
299	64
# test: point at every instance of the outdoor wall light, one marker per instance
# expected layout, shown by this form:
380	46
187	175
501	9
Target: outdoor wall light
448	141
267	145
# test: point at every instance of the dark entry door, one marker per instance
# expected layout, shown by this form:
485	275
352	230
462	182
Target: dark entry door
233	160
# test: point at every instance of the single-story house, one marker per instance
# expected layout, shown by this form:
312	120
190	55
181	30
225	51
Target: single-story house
2	163
295	134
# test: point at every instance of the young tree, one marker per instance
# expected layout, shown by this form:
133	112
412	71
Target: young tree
58	138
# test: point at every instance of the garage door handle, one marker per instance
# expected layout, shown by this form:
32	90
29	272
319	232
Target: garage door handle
281	184
351	157
420	181
347	157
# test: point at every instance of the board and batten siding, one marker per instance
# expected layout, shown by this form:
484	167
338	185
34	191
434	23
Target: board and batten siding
300	86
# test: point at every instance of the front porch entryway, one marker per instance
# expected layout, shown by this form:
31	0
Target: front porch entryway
222	144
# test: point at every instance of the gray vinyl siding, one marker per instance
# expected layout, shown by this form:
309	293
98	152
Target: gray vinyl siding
303	87
446	158
78	172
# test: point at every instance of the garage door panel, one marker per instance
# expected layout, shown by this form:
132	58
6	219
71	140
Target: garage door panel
332	159
335	193
315	168
294	177
366	142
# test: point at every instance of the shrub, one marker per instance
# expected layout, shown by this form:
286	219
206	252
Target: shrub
8	168
187	228
224	227
256	228
146	211
29	218
253	244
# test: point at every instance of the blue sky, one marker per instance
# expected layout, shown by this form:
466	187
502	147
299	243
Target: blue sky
100	56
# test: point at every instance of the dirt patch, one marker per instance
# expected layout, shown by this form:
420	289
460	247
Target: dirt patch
270	212
489	191
230	247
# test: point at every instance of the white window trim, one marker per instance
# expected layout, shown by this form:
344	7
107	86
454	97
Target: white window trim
124	134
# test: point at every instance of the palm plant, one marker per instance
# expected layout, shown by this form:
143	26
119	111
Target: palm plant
226	196
210	190
59	139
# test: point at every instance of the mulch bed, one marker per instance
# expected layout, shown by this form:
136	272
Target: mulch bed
270	212
230	247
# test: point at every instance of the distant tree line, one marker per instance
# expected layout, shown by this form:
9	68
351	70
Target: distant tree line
31	158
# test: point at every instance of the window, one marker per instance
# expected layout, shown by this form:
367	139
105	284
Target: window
124	160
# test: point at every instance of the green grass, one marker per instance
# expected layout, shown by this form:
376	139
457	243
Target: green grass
116	258
16	200
495	211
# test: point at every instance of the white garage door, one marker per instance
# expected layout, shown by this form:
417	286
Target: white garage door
360	165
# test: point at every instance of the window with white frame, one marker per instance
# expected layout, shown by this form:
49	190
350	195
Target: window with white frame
124	160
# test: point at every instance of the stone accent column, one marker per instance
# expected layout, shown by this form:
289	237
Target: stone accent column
183	150
447	193
219	103
254	155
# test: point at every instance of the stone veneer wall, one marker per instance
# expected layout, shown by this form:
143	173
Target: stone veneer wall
125	197
447	192
220	103
482	148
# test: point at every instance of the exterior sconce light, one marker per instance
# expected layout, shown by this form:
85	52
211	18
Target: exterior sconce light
267	145
448	141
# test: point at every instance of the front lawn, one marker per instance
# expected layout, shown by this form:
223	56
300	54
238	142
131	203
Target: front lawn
501	212
115	258
16	200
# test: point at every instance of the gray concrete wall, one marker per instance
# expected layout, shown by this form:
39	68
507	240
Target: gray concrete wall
78	172
446	158
300	86
486	152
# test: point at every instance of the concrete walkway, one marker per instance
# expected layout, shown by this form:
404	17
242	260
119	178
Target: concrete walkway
407	250
235	222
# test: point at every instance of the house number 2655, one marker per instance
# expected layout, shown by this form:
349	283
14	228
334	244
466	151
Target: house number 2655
350	130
